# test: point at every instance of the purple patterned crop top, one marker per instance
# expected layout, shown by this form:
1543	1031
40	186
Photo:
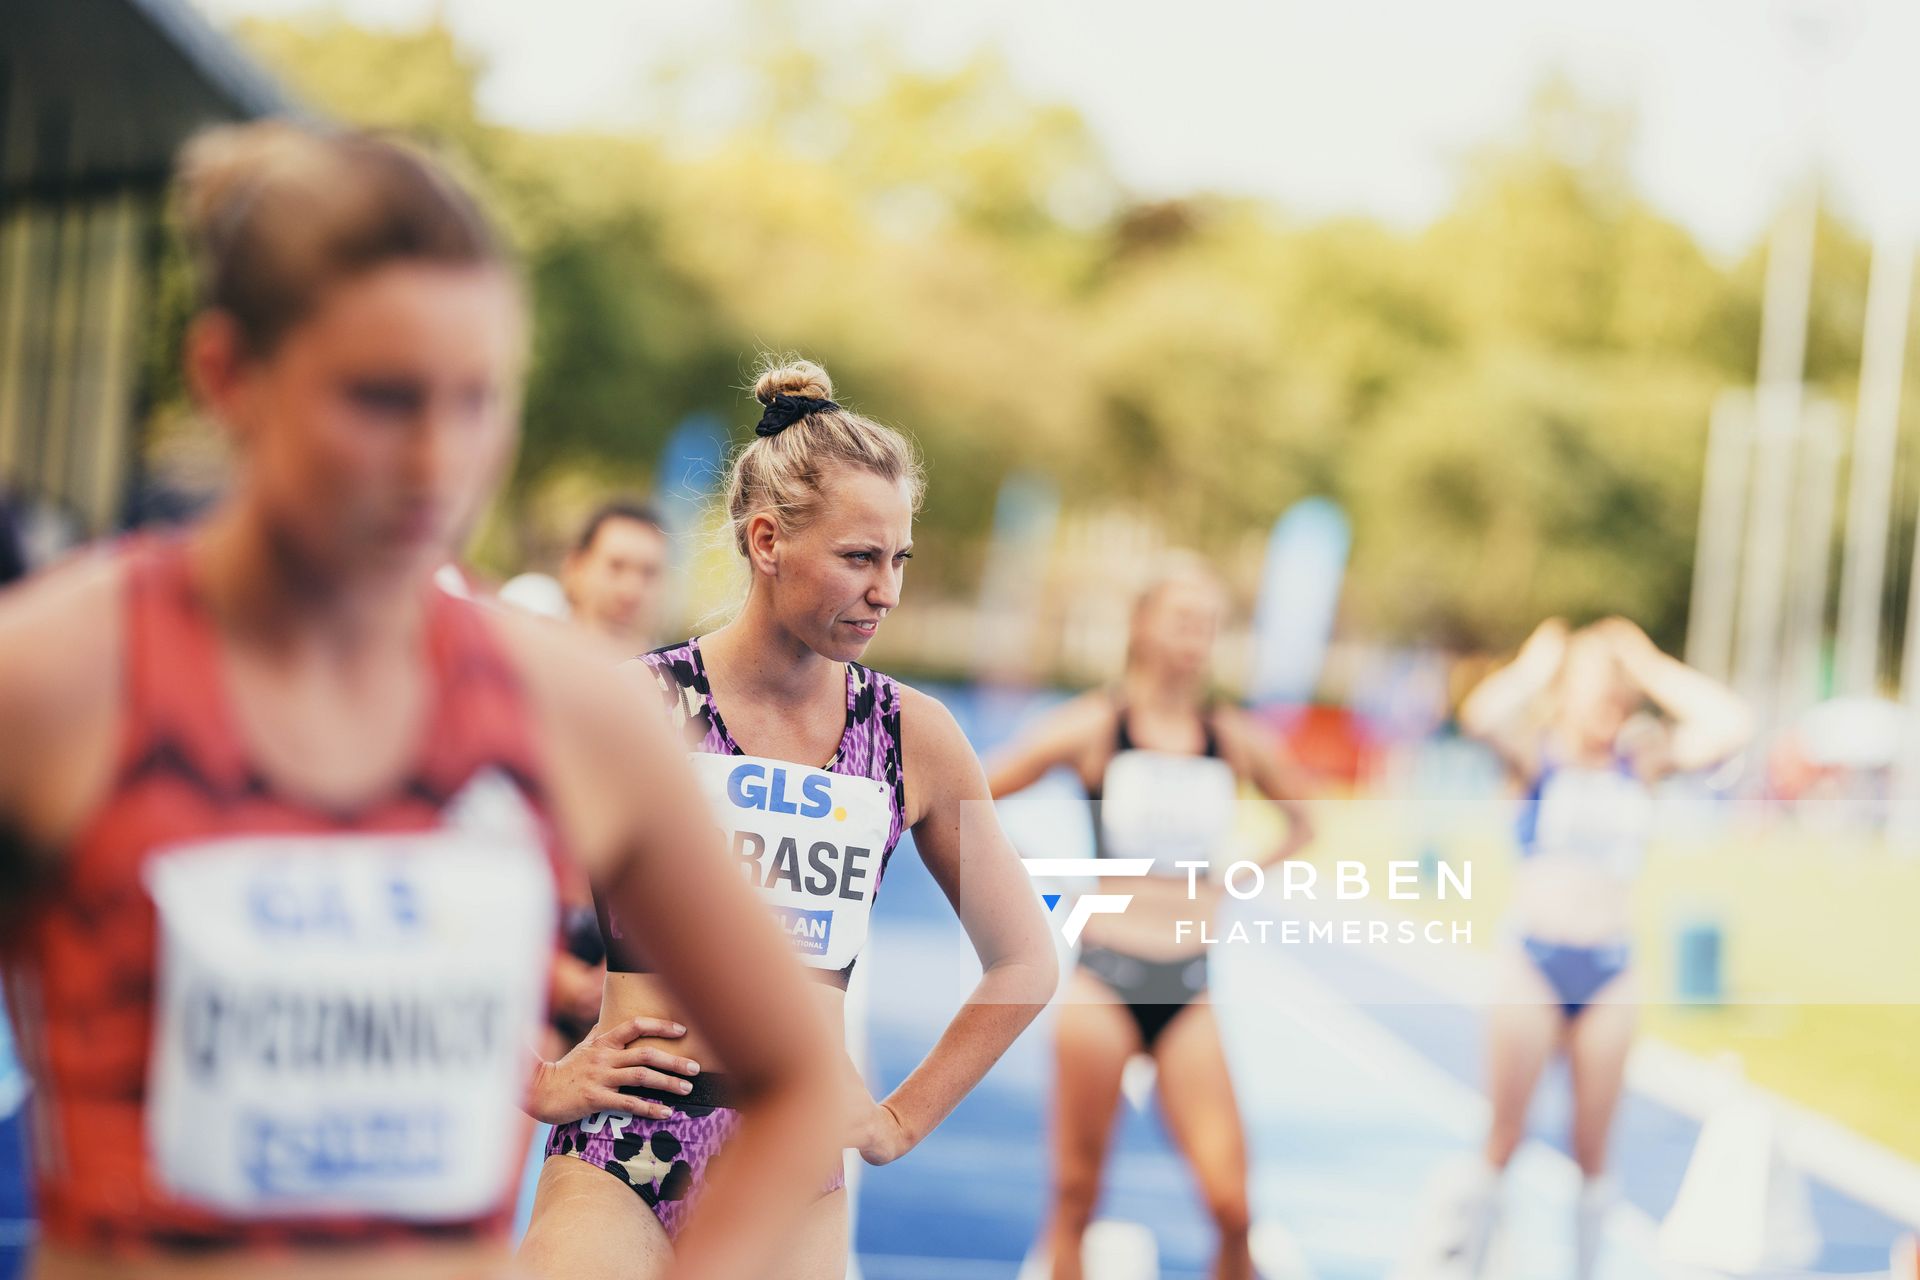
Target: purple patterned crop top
869	748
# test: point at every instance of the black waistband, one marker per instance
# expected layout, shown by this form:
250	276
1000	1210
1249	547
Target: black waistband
1139	980
710	1089
830	977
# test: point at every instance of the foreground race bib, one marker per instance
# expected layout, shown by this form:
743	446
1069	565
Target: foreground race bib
1169	808
810	841
342	1021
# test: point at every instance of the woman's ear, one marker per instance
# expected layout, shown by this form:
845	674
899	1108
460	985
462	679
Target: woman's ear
216	363
763	544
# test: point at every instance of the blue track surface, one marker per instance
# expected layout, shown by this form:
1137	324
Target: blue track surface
16	1212
1350	1109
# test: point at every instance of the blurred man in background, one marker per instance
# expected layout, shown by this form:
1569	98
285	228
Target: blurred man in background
612	585
615	576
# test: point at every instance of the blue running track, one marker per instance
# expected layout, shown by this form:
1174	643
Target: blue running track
1351	1110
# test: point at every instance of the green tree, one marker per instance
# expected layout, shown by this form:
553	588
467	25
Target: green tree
1511	402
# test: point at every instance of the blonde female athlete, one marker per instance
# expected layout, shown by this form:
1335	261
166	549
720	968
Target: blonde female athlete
816	765
1566	717
1161	763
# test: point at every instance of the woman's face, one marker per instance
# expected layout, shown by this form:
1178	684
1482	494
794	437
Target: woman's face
1175	631
835	580
1594	700
378	427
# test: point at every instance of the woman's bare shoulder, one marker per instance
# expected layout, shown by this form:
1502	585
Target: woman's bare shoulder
62	642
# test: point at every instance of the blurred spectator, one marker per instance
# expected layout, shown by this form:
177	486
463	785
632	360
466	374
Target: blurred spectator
616	575
611	584
536	593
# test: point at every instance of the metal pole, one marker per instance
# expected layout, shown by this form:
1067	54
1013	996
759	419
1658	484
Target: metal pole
1716	548
1903	808
1812	556
1903	794
1870	493
1783	348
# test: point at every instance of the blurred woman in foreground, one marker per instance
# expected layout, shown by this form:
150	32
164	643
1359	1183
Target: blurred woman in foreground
280	817
1567	718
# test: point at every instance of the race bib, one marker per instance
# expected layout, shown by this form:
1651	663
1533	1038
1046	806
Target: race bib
342	1021
810	841
1170	808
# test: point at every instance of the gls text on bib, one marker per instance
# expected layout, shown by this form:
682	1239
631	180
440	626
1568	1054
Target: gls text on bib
810	841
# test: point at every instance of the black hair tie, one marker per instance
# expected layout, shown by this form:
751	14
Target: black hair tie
783	411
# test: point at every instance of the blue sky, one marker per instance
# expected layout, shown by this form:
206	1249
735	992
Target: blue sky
1333	106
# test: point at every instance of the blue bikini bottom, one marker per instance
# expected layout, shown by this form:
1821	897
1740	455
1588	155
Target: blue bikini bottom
1576	974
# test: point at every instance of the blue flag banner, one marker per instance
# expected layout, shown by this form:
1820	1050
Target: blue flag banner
690	468
1299	594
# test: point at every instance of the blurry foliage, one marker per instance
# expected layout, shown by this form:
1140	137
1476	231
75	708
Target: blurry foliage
1512	403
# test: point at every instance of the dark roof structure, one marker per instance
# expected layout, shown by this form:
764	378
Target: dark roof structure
96	97
95	94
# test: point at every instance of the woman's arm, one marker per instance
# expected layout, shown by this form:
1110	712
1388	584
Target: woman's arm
1255	754
62	660
647	837
1060	737
961	843
1496	711
1710	721
25	857
715	945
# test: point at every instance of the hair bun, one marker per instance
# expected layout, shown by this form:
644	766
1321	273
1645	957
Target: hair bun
801	378
220	169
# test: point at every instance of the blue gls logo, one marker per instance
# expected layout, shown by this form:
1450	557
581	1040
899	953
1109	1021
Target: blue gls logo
749	787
